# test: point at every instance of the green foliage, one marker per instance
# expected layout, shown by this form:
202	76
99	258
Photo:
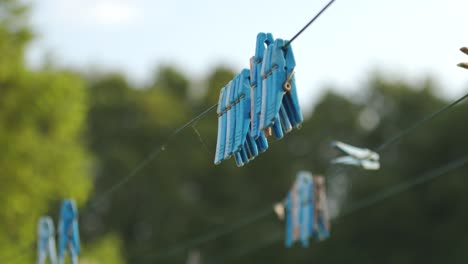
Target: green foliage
181	194
106	251
43	153
14	36
63	135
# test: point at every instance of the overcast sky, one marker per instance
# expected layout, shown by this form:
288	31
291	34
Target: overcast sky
408	38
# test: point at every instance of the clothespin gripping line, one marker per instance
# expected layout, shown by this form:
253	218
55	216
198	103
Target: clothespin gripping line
287	84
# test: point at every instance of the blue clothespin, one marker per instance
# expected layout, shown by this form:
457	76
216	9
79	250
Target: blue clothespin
231	118
321	228
264	40
46	241
256	62
221	141
299	210
68	232
246	147
234	123
280	107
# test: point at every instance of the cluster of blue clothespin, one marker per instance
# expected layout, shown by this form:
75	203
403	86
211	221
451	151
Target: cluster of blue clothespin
305	209
68	235
259	102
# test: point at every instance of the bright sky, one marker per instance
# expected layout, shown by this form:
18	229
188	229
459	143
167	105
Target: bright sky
408	38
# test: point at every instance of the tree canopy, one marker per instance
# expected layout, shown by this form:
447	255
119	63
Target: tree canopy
65	134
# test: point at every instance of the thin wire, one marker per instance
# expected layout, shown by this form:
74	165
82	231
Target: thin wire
197	241
200	138
161	148
365	203
392	140
428	118
309	23
156	151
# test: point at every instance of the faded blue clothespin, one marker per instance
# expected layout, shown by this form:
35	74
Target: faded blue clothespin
230	118
321	228
299	210
264	40
365	158
245	146
69	238
46	241
464	64
234	123
256	63
280	104
221	141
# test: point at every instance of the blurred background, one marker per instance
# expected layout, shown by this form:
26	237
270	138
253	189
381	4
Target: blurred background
90	89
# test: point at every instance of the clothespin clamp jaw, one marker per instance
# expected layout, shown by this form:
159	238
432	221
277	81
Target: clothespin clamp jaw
264	40
45	228
299	210
464	64
69	238
46	241
287	86
321	223
360	157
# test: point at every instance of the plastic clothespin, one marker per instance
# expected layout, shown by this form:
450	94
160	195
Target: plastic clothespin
69	237
245	147
280	107
365	158
221	141
46	241
264	40
299	208
230	117
464	64
321	229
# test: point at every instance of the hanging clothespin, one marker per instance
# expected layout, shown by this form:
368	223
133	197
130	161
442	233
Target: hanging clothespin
280	106
270	107
245	146
46	241
299	209
256	83
233	111
321	229
221	141
365	158
69	238
464	64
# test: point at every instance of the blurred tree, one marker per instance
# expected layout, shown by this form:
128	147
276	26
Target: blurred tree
15	34
172	81
44	154
181	194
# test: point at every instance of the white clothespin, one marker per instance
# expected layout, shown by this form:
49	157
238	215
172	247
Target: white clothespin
46	241
365	158
464	64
